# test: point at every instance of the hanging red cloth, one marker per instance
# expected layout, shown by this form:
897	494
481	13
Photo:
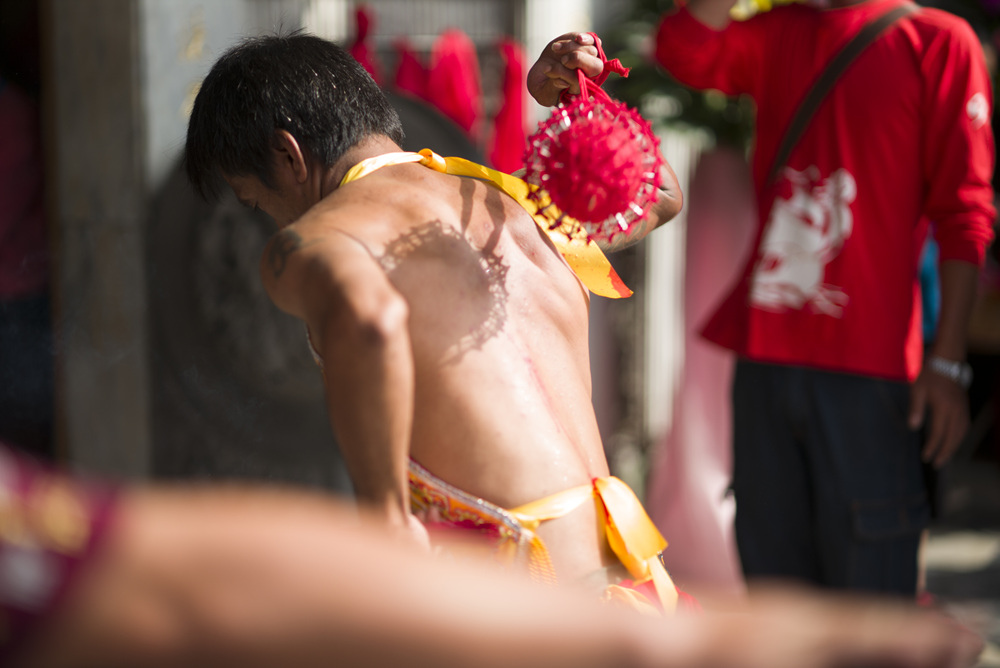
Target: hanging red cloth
360	48
411	75
510	136
453	84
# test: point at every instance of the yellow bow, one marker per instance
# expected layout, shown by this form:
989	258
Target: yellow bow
632	536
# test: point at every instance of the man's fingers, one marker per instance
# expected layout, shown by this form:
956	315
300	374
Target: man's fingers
785	630
556	69
589	62
578	52
958	426
937	428
567	47
562	77
573	38
944	407
918	406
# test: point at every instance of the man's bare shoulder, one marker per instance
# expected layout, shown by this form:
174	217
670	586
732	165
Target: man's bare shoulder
309	254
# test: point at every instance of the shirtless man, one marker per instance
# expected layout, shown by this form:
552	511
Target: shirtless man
450	329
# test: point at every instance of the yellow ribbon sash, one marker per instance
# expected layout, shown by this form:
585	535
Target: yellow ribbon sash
631	534
583	256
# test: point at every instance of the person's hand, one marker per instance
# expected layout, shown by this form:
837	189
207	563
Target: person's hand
947	404
416	533
555	70
781	627
400	525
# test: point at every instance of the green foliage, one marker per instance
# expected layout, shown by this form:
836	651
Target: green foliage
658	97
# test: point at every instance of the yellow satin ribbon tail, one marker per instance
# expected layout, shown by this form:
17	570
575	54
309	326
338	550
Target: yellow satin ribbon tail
632	536
531	515
635	539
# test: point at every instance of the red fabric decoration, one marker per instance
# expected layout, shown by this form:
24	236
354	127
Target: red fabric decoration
594	160
360	49
510	136
453	85
411	75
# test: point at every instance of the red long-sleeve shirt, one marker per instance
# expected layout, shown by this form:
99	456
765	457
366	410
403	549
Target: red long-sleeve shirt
904	137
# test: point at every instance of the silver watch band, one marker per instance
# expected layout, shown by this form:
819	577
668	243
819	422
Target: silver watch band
959	372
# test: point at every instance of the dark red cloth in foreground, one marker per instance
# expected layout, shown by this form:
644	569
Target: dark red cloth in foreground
50	529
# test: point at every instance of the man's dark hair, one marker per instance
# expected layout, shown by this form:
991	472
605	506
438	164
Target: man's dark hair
297	82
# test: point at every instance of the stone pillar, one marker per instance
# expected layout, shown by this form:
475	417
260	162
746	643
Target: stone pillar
94	137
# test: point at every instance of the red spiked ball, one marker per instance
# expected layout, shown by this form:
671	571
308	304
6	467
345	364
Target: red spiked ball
594	161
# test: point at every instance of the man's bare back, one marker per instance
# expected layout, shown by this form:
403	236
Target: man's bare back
452	332
497	324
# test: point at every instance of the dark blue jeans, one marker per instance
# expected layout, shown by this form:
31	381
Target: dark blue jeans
26	375
827	478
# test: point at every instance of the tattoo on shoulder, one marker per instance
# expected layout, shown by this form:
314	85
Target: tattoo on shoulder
282	245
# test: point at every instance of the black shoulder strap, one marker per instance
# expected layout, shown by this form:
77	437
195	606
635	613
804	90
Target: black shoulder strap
868	34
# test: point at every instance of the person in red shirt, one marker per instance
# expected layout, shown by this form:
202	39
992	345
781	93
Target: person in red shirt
832	387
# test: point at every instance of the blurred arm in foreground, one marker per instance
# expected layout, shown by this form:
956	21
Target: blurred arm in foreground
241	576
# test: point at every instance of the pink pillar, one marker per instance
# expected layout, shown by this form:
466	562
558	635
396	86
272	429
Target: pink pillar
687	492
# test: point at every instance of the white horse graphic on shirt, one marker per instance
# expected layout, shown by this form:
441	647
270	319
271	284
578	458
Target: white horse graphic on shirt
804	232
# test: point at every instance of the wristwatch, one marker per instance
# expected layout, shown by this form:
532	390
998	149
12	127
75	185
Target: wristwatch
959	372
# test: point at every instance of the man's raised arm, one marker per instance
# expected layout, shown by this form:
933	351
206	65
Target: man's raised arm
555	71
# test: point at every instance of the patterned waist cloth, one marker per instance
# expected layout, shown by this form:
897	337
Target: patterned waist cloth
514	541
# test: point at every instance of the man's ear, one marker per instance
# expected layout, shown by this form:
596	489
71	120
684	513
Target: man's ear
288	155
